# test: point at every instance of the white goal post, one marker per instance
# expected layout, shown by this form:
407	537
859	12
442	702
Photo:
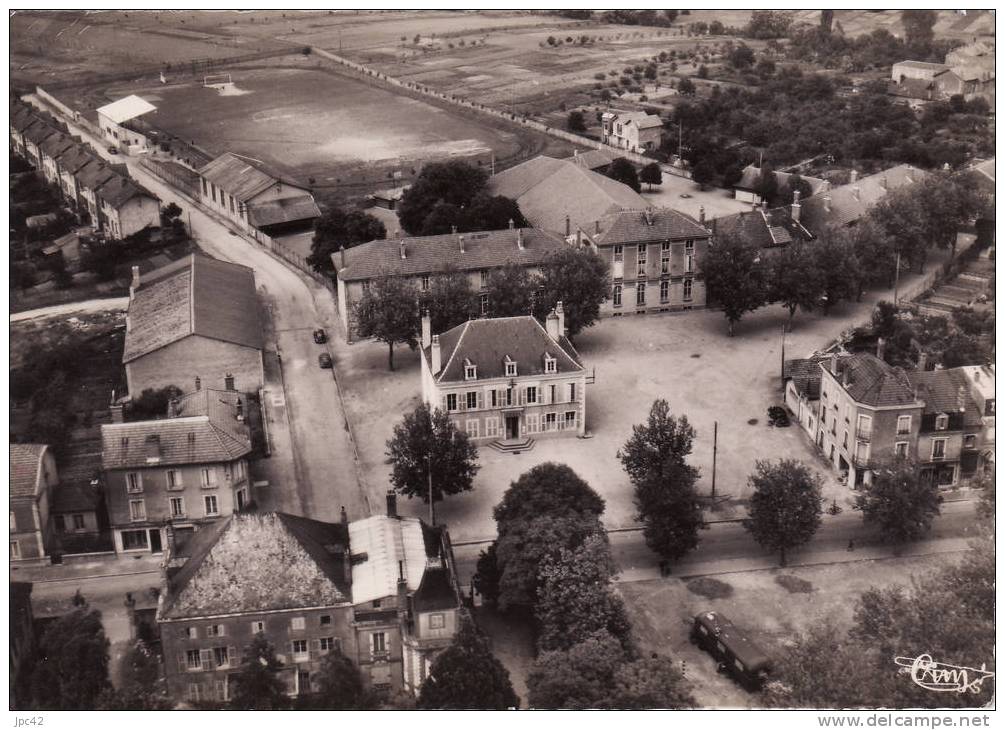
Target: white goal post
216	80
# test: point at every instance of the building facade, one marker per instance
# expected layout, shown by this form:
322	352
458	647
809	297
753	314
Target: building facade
634	131
33	477
506	378
114	120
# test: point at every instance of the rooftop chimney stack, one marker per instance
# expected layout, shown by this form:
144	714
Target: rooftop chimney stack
434	354
135	283
341	257
392	503
579	238
343	515
834	363
568	226
701	215
596	227
240	410
172	408
854	176
427	329
460	243
883	182
401	250
796	207
858	192
560	311
511	224
961	399
880	348
519	238
551	326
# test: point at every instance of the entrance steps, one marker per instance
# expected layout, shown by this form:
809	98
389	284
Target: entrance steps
513	446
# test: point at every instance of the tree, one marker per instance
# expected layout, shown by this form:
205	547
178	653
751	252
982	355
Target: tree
651	683
450	300
511	290
794	184
663	440
899	501
466	675
339	685
336	229
387	313
785	508
141	685
153	403
455	183
686	86
767	184
735	278
578	279
669	509
579	678
170	213
575	598
256	685
741	57
838	269
919	30
489	213
426	445
796	278
575	122
703	173
487	575
651	175
624	172
70	663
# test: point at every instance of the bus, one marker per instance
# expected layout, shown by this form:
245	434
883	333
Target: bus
736	655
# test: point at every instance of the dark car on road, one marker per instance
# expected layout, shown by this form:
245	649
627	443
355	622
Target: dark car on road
325	360
320	337
736	654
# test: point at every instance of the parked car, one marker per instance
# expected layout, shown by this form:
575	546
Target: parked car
325	360
113	150
320	337
736	655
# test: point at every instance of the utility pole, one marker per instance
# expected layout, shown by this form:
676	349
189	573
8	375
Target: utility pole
896	279
429	476
782	371
715	449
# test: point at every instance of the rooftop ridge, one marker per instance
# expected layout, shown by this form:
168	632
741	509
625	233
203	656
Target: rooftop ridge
443	370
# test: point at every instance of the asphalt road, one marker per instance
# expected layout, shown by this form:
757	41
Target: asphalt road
319	476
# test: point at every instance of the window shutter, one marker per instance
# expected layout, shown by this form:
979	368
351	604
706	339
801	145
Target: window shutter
522	396
206	658
292	654
232	655
545	394
481	399
182	662
223	629
443	403
313	647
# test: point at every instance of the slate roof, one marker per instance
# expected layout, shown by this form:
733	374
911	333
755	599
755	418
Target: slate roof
547	190
76	158
119	191
240	178
771	228
657	224
97	172
430	254
872	382
128	107
805	375
56	145
487	343
435	592
850	202
379	545
38	131
25	462
195	295
284	210
297	563
940	389
751	174
642	120
591	159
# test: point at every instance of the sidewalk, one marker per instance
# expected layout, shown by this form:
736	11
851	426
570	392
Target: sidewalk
103	567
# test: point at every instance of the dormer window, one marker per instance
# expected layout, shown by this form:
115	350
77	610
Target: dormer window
470	370
941	422
550	364
510	368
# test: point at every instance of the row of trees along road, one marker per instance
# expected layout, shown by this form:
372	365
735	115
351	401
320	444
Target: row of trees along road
839	264
551	564
389	310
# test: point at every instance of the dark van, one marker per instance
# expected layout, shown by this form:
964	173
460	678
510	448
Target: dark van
736	654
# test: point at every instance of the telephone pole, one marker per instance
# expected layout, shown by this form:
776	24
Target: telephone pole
896	279
715	450
429	476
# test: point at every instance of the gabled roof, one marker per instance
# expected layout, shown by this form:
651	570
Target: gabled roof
119	191
206	432
295	563
944	390
805	375
195	295
75	158
381	547
764	228
431	254
923	65
128	107
656	224
97	172
241	178
873	382
642	120
752	173
38	131
25	469
56	145
848	203
435	592
591	159
547	190
284	210
487	343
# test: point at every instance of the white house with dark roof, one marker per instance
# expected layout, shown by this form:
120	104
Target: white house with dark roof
634	131
194	323
746	187
114	120
243	191
420	259
184	470
506	379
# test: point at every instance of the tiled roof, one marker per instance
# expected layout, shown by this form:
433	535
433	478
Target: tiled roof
762	228
38	131
547	190
657	224
924	65
805	375
118	192
942	391
380	544
284	210
591	159
872	382
848	203
240	178
435	592
126	108
56	145
206	432
642	120
76	158
486	343
195	295
25	461
430	254
751	174
95	174
295	563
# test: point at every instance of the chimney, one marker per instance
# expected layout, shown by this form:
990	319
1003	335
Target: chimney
579	238
116	414
427	329
575	153
460	243
392	503
845	377
560	311
701	215
240	410
880	348
551	325
834	363
961	399
172	408
858	192
519	238
796	207
854	176
827	203
434	354
648	213
568	225
343	516
341	257
135	283
511	224
198	383
401	249
402	589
